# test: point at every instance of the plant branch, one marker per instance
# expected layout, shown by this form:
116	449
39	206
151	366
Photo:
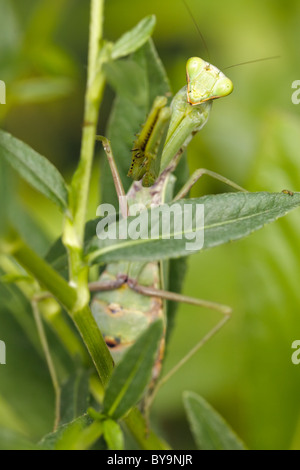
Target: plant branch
49	279
74	230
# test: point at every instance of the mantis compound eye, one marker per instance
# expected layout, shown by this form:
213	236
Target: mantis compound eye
194	67
223	87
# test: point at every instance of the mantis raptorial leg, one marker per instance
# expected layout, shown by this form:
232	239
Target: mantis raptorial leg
144	165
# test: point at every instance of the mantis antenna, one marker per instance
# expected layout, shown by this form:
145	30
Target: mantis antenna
197	28
207	50
252	61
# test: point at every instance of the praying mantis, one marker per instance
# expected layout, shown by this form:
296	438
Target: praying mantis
131	295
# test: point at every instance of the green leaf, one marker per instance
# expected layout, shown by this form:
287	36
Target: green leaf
35	169
56	63
14	302
210	430
113	435
5	193
11	440
57	255
14	278
79	434
66	436
23	221
133	373
135	38
75	396
139	428
228	217
10	33
41	89
137	81
10	419
43	20
24	374
77	437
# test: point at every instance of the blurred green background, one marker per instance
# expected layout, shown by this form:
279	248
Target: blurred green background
252	137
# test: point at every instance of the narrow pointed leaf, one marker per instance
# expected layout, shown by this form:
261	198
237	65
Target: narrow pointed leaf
227	217
133	374
113	435
79	434
74	396
35	169
210	430
135	38
80	438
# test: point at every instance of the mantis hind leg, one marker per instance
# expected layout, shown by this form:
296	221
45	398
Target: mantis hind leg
223	309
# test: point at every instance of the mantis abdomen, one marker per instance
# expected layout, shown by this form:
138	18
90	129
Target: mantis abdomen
124	314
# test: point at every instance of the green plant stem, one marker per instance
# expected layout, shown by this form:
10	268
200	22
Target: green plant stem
49	309
66	295
137	426
44	274
73	234
94	92
77	297
74	226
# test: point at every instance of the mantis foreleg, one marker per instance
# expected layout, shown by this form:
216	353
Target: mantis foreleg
144	164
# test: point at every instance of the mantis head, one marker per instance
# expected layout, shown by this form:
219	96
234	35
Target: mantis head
205	82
